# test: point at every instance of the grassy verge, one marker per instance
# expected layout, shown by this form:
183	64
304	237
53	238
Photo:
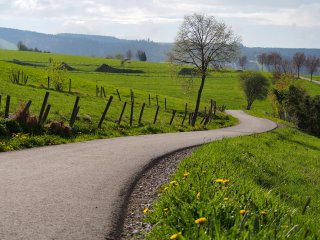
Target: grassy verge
254	187
19	140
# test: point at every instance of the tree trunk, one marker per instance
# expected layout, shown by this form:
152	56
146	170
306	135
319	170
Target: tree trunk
196	110
249	105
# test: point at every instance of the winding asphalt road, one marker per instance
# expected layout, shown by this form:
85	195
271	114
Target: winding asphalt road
78	191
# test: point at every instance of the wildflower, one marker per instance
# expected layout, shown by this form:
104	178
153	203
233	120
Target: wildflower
200	220
175	236
165	210
222	180
145	210
263	213
165	188
185	175
198	195
242	212
225	199
174	183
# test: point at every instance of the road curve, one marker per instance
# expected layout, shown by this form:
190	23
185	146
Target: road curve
77	191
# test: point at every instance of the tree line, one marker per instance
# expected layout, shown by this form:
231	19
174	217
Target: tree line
23	47
276	63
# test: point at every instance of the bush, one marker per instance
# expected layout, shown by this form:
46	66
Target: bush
13	126
255	86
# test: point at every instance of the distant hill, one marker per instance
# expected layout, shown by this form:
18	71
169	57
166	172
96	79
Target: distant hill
85	45
102	46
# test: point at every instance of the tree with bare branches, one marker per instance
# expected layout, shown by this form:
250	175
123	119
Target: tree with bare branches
243	61
204	42
298	61
312	64
262	59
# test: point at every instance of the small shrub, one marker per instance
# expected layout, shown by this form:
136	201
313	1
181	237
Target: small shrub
13	126
3	130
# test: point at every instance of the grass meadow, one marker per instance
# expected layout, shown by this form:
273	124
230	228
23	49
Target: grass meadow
254	187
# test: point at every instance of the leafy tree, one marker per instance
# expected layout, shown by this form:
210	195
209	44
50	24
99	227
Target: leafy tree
243	61
22	47
312	63
141	55
255	86
202	42
298	61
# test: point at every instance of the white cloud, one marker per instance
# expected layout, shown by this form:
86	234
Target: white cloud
148	17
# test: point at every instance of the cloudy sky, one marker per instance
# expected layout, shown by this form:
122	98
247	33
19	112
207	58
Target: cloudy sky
263	23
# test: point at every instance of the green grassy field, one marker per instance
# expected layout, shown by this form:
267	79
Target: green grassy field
157	80
254	187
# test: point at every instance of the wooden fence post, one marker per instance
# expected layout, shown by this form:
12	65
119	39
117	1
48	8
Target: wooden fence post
44	103
45	115
74	116
100	91
0	101
75	107
69	85
173	114
156	116
105	112
165	103
149	100
124	107
190	118
214	108
185	114
118	95
141	113
157	100
131	113
97	91
26	108
48	82
6	113
104	92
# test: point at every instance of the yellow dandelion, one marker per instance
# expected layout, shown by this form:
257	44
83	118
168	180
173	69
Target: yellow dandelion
222	180
226	181
145	210
225	199
175	236
198	195
165	188
219	180
174	183
200	220
242	212
165	210
263	213
186	174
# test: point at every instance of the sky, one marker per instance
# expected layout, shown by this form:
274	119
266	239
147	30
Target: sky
260	23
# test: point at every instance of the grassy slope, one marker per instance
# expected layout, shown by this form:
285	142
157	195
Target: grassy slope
273	172
156	80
